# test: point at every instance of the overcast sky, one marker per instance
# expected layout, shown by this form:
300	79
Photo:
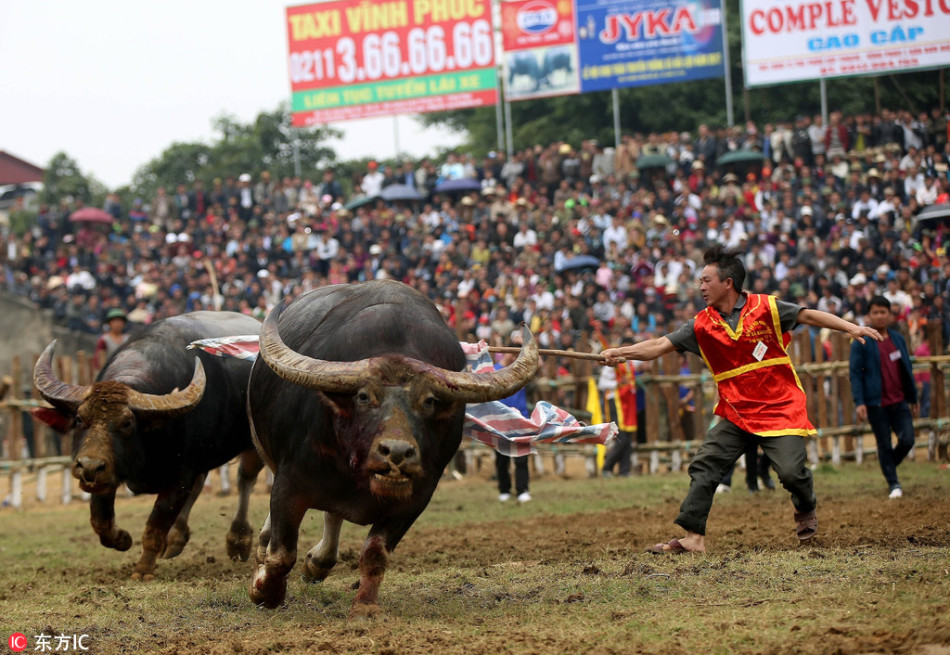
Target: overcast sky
115	82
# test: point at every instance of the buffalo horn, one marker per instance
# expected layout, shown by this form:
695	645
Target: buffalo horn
318	374
347	377
51	387
467	387
174	403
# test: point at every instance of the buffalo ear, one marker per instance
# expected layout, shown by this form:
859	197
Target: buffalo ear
338	403
146	421
56	419
446	411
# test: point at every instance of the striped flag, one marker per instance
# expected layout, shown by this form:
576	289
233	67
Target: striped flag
245	346
493	423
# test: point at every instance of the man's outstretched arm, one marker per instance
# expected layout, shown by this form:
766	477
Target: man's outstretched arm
826	320
643	351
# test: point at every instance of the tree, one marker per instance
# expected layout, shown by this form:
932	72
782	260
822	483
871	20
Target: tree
267	143
63	179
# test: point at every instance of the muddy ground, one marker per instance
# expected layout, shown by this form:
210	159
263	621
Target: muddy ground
526	541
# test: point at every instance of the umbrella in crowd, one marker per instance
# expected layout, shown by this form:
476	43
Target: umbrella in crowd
654	161
91	215
932	213
458	186
578	263
741	157
360	201
400	192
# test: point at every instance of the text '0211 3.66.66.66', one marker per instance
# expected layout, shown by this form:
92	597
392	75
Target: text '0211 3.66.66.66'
384	55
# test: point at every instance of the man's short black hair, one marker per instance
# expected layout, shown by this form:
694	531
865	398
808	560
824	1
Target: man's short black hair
728	264
879	301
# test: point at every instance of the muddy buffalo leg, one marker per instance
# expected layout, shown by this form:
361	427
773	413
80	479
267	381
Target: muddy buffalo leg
374	558
180	533
102	518
269	584
325	554
263	539
166	509
239	536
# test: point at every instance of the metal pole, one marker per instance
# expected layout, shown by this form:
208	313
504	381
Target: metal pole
615	98
824	101
727	69
499	122
508	132
296	154
396	135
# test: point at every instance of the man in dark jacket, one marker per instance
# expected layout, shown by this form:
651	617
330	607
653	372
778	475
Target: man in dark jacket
882	385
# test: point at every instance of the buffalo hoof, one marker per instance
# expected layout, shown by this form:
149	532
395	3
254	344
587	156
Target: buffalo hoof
364	611
122	541
239	541
267	592
175	543
315	570
143	577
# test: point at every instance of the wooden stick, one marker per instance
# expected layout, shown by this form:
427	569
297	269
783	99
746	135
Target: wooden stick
217	300
554	353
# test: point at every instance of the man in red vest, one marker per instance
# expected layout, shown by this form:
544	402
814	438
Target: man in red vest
742	338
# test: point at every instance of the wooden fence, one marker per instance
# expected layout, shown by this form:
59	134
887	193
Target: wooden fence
51	452
671	440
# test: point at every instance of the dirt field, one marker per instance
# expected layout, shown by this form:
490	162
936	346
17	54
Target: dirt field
566	573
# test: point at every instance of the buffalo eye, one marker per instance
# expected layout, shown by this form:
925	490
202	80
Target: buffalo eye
77	423
126	424
362	397
428	403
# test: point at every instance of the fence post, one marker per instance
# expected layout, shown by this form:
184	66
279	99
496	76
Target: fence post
66	375
67	492
538	463
41	484
14	440
651	393
939	407
670	365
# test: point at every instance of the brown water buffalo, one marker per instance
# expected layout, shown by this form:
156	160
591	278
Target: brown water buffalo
357	403
158	418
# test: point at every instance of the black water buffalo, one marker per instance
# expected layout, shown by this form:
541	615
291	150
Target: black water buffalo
158	418
357	403
525	63
556	59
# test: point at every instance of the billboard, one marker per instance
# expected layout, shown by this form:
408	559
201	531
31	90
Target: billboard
540	48
644	42
794	41
356	59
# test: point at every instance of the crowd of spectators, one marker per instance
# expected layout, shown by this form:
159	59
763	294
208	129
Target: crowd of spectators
570	238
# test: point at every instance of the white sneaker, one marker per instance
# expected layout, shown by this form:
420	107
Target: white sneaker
504	497
723	489
524	497
895	493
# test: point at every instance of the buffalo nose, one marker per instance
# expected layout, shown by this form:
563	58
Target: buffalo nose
396	451
87	468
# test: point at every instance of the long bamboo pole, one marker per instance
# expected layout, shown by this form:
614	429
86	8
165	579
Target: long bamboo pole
552	353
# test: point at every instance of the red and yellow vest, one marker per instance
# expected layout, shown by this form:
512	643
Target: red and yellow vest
759	390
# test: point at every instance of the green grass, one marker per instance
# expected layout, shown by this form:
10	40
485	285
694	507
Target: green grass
565	573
